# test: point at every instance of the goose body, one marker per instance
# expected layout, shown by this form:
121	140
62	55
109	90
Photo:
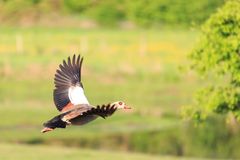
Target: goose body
71	101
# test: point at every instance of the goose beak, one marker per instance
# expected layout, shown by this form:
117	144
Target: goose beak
46	129
127	107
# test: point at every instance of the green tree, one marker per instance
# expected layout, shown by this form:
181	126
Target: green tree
77	6
218	55
170	12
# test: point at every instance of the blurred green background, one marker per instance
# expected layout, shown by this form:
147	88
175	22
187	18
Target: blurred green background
134	51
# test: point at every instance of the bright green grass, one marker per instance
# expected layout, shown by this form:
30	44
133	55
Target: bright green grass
23	152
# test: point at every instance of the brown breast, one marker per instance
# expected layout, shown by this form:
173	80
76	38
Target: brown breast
76	111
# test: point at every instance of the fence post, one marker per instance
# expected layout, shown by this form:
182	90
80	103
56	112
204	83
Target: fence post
84	45
19	43
143	45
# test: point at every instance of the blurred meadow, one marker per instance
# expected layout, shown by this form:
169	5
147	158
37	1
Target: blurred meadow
142	64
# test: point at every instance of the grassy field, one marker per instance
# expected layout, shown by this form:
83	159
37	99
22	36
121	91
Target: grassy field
49	153
139	67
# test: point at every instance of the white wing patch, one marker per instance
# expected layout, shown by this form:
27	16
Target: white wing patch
76	95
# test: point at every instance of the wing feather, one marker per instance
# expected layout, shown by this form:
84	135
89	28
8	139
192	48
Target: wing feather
102	111
67	76
83	115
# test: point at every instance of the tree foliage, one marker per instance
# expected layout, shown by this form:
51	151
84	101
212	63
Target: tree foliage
109	12
171	12
218	55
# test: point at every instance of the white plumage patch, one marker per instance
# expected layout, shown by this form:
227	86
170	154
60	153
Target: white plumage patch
76	95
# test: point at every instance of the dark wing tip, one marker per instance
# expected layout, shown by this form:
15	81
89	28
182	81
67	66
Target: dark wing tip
102	111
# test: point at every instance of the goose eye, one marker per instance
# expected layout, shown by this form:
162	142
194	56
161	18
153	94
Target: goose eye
120	103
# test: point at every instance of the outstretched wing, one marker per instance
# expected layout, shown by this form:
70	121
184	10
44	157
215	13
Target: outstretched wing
102	111
84	114
68	85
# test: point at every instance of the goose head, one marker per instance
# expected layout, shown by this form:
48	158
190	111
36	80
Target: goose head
120	105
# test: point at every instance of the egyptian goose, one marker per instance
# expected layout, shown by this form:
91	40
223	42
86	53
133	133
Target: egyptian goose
70	100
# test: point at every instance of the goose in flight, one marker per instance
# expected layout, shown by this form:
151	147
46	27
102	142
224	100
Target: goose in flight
71	101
